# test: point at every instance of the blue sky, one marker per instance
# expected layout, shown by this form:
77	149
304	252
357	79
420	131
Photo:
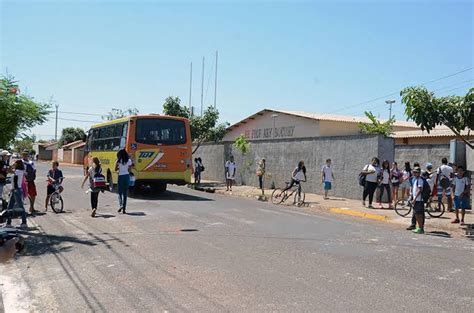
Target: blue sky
316	56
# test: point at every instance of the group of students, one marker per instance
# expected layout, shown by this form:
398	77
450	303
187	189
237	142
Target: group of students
412	181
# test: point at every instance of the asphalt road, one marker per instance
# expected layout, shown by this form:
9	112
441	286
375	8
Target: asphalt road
238	256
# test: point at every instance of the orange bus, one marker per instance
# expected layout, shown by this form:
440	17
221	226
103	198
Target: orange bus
160	147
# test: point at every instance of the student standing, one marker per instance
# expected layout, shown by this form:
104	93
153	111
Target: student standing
30	175
197	170
370	171
327	176
445	177
123	166
384	183
418	204
4	156
16	197
396	175
405	181
230	170
461	194
260	173
95	169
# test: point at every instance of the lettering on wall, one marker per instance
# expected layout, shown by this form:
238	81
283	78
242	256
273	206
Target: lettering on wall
270	133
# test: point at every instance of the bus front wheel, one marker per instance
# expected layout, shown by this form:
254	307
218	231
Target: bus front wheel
159	187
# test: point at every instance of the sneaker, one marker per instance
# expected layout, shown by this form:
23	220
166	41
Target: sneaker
370	206
411	227
455	221
462	223
363	203
418	231
23	226
9	226
93	212
119	210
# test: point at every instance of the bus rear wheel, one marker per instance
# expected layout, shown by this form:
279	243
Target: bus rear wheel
159	187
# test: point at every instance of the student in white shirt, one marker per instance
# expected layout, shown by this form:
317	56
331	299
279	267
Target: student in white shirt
417	200
445	175
384	183
16	198
327	176
461	194
230	169
298	175
123	166
370	171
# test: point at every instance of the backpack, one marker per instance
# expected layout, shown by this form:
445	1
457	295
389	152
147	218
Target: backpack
30	172
426	191
362	177
443	180
98	181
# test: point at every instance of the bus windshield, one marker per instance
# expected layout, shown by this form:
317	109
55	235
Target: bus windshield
160	131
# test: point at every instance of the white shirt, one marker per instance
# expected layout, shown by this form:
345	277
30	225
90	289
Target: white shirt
417	186
405	175
460	185
123	168
385	177
299	175
431	180
19	174
446	170
371	177
327	171
231	167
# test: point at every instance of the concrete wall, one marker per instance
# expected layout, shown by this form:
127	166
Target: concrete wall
422	154
349	155
470	158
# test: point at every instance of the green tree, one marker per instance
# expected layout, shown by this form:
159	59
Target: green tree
172	107
376	127
71	134
18	112
119	113
24	144
428	111
203	128
242	145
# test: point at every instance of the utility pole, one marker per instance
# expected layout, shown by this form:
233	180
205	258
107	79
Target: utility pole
190	89
215	82
202	85
56	124
390	102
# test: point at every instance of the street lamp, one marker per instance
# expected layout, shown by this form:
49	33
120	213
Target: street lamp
274	116
390	102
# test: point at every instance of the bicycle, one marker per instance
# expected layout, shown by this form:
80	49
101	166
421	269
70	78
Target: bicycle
279	195
434	208
56	200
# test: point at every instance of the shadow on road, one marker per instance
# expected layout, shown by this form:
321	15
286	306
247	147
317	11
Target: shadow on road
100	215
40	243
135	213
439	234
168	196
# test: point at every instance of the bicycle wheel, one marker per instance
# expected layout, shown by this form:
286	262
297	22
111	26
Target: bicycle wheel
299	198
403	207
435	208
278	195
56	203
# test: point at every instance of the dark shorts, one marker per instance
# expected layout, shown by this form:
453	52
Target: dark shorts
461	203
32	189
327	185
50	189
419	207
397	184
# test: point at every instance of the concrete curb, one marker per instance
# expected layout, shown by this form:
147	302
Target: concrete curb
371	216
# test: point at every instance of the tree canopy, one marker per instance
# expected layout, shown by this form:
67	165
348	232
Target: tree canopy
376	127
203	128
119	113
429	111
71	134
24	144
18	112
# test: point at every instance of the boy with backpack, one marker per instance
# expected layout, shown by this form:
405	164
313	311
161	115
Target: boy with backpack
418	184
30	177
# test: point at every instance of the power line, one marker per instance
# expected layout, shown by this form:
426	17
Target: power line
398	92
74	120
80	113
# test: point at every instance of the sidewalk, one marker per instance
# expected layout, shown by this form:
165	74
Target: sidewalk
436	226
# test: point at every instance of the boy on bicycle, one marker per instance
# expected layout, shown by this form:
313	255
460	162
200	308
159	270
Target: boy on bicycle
54	177
298	175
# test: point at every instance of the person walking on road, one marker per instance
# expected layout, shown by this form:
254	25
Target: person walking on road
230	170
30	176
124	167
260	174
384	183
370	171
95	169
445	175
461	194
396	176
197	170
327	176
417	200
16	197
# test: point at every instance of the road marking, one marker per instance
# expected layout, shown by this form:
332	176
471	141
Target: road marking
271	211
350	212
